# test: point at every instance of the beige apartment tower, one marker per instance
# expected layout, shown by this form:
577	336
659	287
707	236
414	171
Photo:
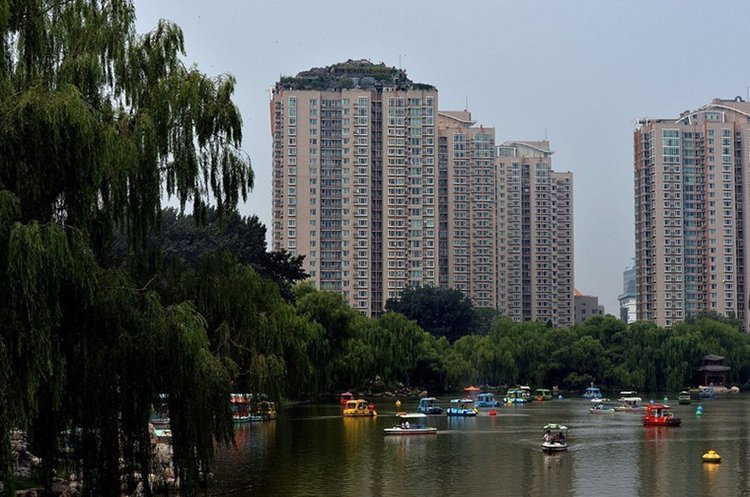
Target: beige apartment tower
535	235
355	161
691	203
381	191
468	208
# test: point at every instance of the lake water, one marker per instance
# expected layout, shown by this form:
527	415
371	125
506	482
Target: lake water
312	450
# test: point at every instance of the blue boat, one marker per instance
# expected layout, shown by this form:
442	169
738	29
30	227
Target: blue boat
487	400
592	393
461	407
706	392
520	395
429	405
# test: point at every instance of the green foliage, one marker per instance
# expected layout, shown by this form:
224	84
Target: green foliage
640	356
485	318
94	121
398	344
199	389
185	239
441	311
337	324
252	326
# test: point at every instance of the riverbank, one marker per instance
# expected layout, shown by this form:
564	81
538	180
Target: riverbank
26	465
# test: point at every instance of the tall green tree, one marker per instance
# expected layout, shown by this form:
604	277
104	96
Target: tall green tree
336	324
185	238
95	121
440	311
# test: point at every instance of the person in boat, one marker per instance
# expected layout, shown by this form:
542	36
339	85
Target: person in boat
561	438
406	425
547	436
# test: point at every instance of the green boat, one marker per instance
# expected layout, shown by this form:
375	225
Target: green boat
542	394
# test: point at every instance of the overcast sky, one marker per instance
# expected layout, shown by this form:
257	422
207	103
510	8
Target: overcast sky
579	72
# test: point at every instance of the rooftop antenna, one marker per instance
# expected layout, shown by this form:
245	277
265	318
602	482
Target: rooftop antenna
545	134
467	103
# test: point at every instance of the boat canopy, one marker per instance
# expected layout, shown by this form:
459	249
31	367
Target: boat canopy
462	401
555	426
630	399
240	398
471	388
412	415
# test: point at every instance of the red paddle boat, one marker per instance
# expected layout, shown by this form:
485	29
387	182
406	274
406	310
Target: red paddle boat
660	415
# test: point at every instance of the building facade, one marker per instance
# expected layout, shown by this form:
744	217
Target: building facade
627	299
691	198
468	208
586	306
535	235
355	179
381	191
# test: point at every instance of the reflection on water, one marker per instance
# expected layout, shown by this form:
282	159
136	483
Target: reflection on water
312	450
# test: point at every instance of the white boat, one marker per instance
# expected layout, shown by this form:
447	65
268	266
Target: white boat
601	406
411	424
630	404
163	435
555	438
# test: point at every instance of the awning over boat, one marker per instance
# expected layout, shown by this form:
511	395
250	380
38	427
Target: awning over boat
554	426
412	415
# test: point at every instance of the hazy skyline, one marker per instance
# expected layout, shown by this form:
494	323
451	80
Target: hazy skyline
579	73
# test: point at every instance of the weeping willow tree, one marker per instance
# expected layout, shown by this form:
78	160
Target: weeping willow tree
96	122
250	325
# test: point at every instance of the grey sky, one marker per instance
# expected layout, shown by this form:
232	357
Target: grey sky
583	71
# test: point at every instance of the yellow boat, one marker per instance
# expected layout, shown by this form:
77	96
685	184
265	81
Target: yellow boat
265	411
359	408
712	456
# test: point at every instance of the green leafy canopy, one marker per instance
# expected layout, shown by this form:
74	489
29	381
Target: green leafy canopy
96	124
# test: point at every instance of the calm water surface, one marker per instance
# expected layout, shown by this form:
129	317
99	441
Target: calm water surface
312	450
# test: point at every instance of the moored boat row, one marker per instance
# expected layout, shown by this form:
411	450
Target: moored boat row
245	410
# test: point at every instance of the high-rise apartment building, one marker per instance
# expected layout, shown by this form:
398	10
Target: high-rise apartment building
381	191
355	160
467	208
628	297
691	198
535	235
